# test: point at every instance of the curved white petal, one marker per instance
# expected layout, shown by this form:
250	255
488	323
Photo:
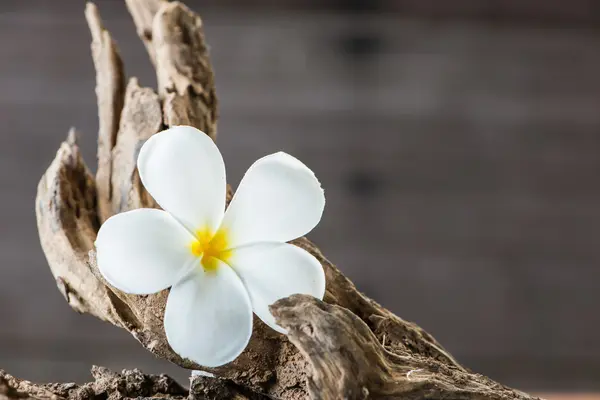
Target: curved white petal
279	199
183	170
142	251
208	317
271	271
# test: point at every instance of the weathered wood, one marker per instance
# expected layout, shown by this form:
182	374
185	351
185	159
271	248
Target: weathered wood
348	361
106	384
183	69
143	12
346	347
205	387
140	119
110	92
270	363
67	224
125	385
174	39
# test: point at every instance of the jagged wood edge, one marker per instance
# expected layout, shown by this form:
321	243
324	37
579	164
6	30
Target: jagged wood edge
184	73
125	385
106	384
271	363
173	36
110	94
140	119
143	13
333	340
349	361
67	223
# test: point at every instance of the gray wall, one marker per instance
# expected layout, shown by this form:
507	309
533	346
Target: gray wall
459	158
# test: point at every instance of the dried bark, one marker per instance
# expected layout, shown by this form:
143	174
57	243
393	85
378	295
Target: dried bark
106	385
348	361
140	119
110	91
67	224
184	74
345	347
125	385
142	12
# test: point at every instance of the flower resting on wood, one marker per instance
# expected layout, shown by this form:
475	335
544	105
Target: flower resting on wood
221	265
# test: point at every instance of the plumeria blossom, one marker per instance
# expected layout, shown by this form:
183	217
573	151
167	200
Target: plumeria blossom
220	265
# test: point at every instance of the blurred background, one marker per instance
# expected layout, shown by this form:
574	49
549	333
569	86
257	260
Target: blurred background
458	144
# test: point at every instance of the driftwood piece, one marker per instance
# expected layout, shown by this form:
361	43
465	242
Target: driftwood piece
184	73
106	385
67	224
174	39
140	119
128	384
345	347
143	12
110	92
348	361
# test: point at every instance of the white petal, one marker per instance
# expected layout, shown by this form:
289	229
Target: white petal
142	251
279	199
183	170
208	318
271	271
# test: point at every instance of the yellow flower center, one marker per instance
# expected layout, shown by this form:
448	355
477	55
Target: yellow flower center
211	248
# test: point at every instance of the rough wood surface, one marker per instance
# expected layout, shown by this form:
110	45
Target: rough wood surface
140	119
67	224
110	92
174	39
106	385
345	347
125	385
348	361
184	74
142	12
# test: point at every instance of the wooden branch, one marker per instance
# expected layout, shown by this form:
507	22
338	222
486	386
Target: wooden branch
204	387
126	385
110	92
143	12
183	69
107	384
67	224
140	119
174	39
348	361
346	347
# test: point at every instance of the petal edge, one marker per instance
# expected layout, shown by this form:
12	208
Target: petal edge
279	199
183	170
271	271
208	318
140	251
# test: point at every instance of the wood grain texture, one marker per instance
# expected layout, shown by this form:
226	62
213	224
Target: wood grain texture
110	93
66	211
106	384
183	68
143	13
141	118
348	361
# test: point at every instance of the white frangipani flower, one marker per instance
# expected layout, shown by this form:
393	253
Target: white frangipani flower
221	265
